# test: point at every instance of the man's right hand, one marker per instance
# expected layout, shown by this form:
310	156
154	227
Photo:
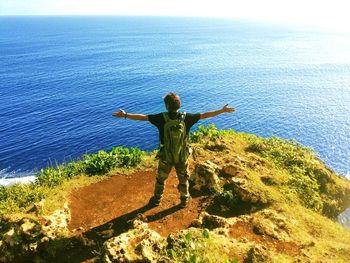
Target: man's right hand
226	108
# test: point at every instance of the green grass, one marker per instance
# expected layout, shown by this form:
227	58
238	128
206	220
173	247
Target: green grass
299	161
17	197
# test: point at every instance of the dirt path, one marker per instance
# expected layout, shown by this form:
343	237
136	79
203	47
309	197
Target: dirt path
101	203
107	209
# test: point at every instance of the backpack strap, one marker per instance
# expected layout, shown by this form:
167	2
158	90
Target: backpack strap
166	117
183	116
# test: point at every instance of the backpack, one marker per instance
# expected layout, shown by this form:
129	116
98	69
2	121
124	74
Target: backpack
175	139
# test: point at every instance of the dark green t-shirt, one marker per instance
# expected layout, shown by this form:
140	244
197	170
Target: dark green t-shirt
158	121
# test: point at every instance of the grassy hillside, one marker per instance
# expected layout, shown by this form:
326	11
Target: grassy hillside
278	189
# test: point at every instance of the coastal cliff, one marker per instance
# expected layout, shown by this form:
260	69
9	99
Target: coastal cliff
253	200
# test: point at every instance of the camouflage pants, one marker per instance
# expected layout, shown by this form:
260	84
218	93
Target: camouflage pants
164	169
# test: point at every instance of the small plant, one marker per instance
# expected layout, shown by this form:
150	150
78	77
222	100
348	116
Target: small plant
185	249
227	198
194	248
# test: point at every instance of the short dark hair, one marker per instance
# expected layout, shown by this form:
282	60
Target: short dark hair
172	101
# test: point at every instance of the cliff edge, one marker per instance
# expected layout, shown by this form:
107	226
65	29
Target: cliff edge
253	200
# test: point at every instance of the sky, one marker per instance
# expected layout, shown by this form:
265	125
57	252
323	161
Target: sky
322	13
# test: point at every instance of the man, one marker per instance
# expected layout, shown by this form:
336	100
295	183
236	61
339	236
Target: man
173	127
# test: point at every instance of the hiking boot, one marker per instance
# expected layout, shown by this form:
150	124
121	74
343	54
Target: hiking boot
154	201
184	202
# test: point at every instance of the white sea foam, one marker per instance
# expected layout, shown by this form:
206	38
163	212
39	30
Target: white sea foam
15	177
347	176
18	180
344	218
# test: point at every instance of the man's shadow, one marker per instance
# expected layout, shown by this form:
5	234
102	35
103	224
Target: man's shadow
86	245
123	223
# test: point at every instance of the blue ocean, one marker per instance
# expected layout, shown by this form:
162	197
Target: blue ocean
62	77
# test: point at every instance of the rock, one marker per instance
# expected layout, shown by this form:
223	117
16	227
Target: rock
249	194
218	225
212	221
20	240
107	233
23	237
8	237
205	177
58	221
140	244
258	254
217	146
234	170
268	180
222	232
29	228
33	246
268	222
26	227
87	242
246	190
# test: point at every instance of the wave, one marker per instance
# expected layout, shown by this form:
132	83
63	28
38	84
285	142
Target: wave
15	177
344	218
347	176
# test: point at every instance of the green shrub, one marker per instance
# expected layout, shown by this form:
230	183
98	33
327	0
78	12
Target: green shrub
73	168
15	197
307	189
91	164
209	133
98	163
50	176
103	161
185	251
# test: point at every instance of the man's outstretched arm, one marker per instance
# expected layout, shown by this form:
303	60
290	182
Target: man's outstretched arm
210	114
123	114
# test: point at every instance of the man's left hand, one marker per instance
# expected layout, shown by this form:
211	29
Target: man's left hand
120	114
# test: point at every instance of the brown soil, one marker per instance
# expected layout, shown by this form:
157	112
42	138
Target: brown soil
101	203
107	208
245	230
